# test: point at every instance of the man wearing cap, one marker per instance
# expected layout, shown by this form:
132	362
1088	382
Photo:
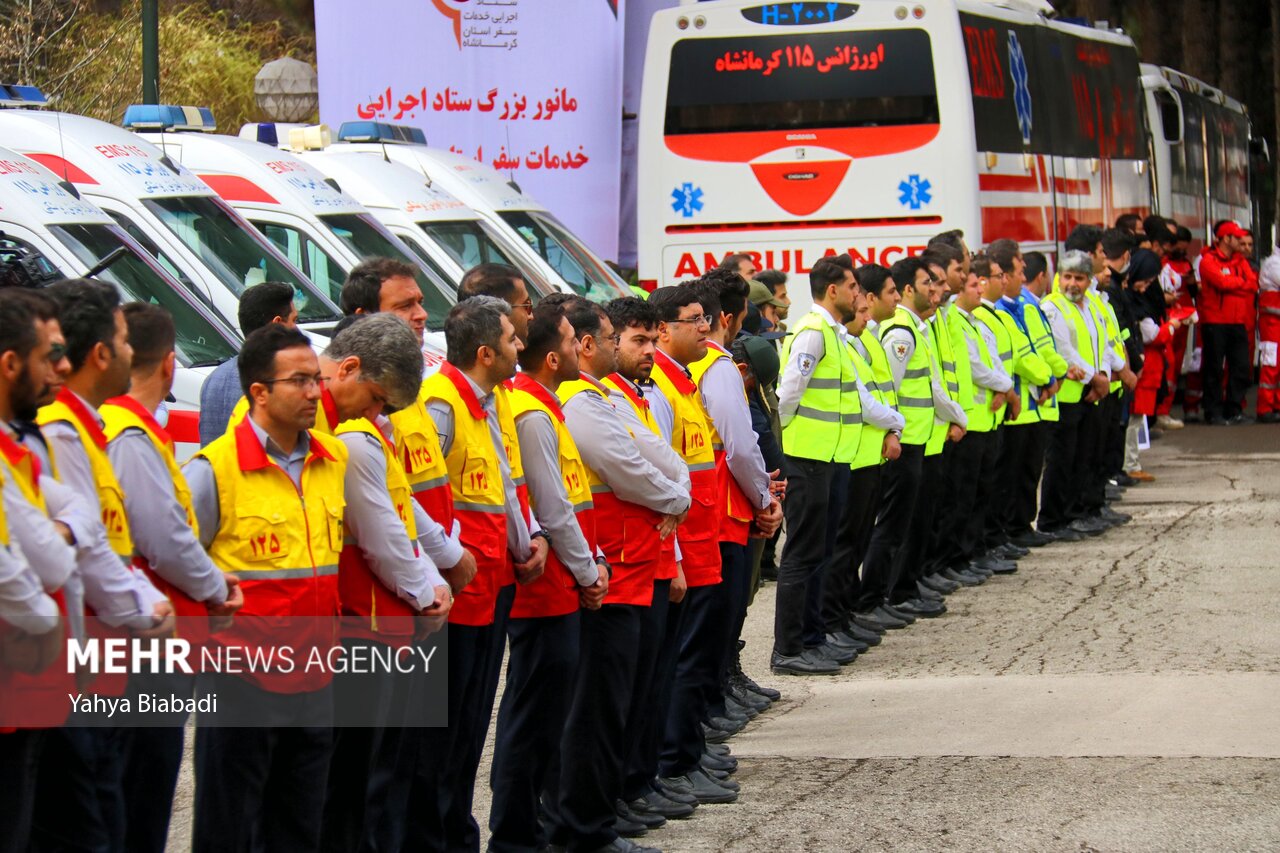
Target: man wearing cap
771	307
1227	289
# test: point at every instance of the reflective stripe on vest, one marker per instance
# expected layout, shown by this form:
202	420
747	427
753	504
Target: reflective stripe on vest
828	420
284	542
963	330
915	394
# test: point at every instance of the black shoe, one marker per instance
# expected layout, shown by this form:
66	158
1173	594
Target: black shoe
737	709
862	635
727	724
1089	526
767	692
867	623
628	828
1124	481
900	615
841	656
1239	420
623	845
722	763
743	695
656	804
1032	539
1066	534
921	609
667	792
938	583
880	620
646	820
962	578
721	749
1113	493
805	663
1269	418
1215	420
1010	551
710	735
1112	517
702	787
841	640
994	565
927	594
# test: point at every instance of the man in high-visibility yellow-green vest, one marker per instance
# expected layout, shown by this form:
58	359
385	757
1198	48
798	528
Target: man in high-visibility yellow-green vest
821	416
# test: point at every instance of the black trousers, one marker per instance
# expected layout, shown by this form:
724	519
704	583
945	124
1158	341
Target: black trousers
152	762
815	625
1224	343
649	728
735	573
943	510
1063	477
1116	414
1024	447
80	804
262	788
1092	452
531	721
697	677
437	769
914	552
377	722
841	583
808	495
964	469
901	488
19	769
988	532
593	750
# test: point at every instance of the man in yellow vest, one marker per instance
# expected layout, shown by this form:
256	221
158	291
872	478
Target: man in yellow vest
683	325
539	701
878	442
743	483
114	597
389	584
30	594
471	410
821	416
638	481
651	419
268	499
921	297
157	502
1080	337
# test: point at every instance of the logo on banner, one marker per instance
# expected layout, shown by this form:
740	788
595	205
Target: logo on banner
1021	87
915	192
452	9
686	199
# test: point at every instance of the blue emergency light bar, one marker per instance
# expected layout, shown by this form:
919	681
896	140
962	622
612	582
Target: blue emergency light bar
166	117
14	95
376	131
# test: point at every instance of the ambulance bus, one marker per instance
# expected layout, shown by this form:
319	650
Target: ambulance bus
791	131
1201	145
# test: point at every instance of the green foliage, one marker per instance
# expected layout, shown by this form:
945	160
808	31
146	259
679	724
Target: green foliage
91	61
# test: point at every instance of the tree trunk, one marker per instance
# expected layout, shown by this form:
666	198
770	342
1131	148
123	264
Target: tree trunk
1235	49
1200	39
1275	101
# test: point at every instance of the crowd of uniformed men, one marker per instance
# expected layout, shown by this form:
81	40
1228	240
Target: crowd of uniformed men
583	490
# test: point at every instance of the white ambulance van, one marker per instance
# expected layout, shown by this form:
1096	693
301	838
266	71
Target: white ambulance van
174	215
544	242
48	233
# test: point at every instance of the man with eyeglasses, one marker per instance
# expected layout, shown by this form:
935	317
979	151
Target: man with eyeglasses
268	498
683	324
504	282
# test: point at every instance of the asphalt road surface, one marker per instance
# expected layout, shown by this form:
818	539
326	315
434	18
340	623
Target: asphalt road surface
1121	693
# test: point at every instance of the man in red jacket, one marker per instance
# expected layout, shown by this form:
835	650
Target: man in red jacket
1227	291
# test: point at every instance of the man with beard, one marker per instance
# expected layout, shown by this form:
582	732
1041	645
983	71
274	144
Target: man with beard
31	600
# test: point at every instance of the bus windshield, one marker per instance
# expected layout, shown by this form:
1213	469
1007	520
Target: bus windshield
566	255
364	236
199	342
872	78
468	241
236	254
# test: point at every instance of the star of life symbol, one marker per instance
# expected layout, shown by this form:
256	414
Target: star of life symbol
686	199
915	192
900	350
1021	88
